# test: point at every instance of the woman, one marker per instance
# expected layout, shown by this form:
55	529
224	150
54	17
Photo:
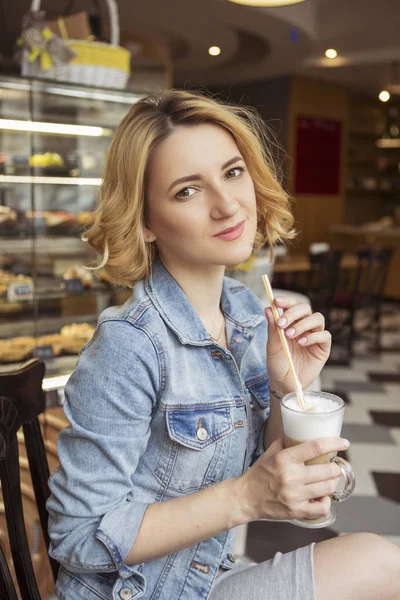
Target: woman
176	434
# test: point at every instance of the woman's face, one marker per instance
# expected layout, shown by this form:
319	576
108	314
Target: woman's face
199	186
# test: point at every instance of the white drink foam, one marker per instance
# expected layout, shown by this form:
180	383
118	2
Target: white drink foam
318	420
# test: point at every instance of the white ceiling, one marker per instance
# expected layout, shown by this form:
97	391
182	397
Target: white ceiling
256	43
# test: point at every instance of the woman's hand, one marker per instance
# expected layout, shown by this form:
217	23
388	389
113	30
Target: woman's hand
308	341
279	486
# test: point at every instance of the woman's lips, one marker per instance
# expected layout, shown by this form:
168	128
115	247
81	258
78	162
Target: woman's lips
233	233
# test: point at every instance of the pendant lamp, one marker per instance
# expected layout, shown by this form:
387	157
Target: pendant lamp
266	3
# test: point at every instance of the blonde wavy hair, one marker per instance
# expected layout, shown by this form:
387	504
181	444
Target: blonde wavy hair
117	231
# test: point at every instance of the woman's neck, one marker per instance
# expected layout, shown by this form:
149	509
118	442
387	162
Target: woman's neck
202	285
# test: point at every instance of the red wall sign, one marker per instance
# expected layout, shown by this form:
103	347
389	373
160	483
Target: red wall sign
317	156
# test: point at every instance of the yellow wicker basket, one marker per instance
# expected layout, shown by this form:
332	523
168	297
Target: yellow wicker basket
97	63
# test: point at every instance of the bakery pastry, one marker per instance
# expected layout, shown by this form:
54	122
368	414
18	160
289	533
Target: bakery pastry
25	342
72	345
54	340
85	217
48	159
82	331
79	272
8	216
104	276
10	353
7	279
59	218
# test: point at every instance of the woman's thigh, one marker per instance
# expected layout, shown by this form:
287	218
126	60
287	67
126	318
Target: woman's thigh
283	577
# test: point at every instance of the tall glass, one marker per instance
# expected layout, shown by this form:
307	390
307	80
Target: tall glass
303	426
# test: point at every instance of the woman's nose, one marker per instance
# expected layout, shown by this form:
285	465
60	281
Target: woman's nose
223	205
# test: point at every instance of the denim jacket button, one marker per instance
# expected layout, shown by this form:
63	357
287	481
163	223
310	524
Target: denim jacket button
202	434
231	558
126	594
238	339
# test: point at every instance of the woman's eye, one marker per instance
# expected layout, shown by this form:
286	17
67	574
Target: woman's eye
236	172
184	194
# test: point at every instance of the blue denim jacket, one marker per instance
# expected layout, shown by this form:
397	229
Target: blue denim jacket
157	411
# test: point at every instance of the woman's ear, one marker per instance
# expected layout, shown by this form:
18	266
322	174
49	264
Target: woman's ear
149	235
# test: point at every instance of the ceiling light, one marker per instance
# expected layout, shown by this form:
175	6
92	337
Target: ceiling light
214	50
266	3
384	96
331	53
64	129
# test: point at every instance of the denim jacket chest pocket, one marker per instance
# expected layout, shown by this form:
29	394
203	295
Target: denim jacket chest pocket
259	390
196	446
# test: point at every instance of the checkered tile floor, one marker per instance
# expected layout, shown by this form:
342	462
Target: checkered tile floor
371	388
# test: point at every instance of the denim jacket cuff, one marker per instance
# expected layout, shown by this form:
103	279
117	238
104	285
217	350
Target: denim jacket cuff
118	530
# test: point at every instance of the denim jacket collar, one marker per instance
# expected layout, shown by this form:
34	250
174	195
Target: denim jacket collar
174	306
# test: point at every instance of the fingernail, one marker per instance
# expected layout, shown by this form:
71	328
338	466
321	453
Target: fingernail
291	331
303	340
279	299
282	322
346	443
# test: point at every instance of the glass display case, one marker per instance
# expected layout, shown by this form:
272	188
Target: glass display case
53	141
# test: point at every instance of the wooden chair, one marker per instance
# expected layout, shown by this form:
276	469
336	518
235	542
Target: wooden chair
7	588
322	281
21	403
357	309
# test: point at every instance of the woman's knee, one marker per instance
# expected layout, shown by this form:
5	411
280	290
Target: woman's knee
375	546
367	565
372	549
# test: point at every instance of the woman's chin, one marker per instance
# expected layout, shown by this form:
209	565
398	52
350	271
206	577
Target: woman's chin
238	255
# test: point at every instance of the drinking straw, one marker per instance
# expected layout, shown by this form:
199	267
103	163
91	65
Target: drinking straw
299	390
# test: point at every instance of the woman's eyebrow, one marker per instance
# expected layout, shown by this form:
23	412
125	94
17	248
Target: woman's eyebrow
197	176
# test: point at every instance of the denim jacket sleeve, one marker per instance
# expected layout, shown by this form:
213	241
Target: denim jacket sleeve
109	400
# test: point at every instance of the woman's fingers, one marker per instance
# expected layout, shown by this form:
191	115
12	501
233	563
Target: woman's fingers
314	322
324	488
285	301
323	338
306	451
294	313
319	508
318	473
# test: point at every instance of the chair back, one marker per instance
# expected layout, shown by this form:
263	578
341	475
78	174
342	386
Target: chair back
322	280
371	276
21	402
7	588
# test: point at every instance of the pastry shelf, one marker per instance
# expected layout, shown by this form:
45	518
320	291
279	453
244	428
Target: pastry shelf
44	325
58	295
53	142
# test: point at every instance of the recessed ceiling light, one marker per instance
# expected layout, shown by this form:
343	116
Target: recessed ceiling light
331	53
214	50
266	3
384	96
